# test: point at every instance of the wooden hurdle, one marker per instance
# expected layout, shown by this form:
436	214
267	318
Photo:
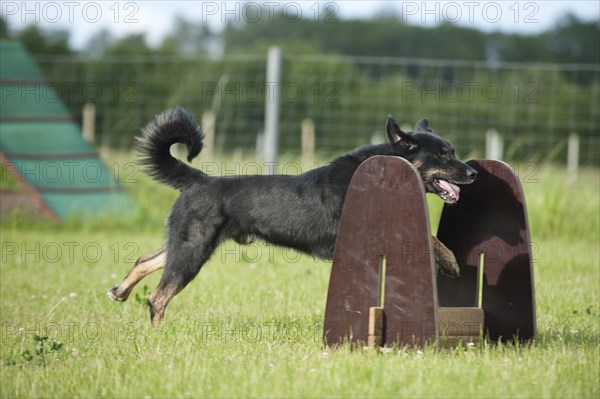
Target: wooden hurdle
384	290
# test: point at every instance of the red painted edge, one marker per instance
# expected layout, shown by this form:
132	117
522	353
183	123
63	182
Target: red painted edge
37	198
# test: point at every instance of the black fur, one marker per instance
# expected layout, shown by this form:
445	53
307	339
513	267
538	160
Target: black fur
176	126
300	212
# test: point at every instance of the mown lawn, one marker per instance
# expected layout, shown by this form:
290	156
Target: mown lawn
250	324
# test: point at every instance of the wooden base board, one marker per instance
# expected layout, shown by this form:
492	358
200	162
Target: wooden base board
460	324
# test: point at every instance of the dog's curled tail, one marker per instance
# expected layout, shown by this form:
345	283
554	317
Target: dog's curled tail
170	127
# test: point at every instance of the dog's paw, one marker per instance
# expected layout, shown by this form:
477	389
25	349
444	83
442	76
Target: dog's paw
447	266
116	293
445	261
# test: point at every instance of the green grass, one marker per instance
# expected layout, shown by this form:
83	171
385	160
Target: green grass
250	324
8	180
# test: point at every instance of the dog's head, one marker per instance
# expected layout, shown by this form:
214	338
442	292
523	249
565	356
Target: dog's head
433	157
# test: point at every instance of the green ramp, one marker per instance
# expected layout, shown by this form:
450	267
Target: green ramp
43	147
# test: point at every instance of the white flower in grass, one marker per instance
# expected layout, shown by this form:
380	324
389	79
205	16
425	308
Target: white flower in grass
72	294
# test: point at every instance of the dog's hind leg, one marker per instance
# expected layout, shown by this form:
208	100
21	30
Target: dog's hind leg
182	266
145	265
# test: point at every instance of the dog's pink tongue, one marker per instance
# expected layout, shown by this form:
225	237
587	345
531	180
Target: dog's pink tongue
453	189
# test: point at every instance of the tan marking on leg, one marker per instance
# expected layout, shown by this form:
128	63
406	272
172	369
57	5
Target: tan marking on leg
145	265
159	299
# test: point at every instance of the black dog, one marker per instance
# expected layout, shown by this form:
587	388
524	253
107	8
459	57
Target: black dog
300	212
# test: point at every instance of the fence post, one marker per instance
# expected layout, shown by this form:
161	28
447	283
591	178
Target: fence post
88	122
307	126
272	107
208	127
572	158
494	147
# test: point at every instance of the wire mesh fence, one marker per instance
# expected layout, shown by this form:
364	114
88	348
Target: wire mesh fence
535	107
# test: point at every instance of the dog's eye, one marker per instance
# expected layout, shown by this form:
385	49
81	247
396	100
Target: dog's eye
441	153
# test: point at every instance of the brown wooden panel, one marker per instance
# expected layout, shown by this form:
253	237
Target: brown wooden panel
460	315
491	218
384	215
455	322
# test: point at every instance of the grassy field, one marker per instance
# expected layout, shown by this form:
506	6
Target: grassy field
250	324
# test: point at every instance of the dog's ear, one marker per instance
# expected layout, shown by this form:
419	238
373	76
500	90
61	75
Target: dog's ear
423	126
397	137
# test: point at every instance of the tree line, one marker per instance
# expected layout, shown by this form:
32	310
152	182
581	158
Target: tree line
545	103
571	40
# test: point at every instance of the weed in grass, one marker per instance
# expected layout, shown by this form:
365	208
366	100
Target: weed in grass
142	298
44	351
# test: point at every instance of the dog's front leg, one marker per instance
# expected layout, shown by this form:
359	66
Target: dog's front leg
145	265
444	259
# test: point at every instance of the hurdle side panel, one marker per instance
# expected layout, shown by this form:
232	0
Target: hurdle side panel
410	285
491	218
384	214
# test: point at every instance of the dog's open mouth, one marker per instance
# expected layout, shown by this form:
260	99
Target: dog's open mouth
447	191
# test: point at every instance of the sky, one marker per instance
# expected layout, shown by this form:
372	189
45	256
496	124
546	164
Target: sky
156	18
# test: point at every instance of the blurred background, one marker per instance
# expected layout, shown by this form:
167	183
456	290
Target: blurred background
300	82
529	70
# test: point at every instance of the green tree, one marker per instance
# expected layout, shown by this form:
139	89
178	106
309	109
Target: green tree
188	38
99	44
39	42
574	41
4	33
380	36
130	45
